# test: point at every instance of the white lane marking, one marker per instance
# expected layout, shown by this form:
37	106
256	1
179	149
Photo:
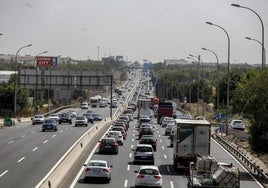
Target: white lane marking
53	135
128	167
23	136
165	156
159	135
10	141
67	128
3	173
160	140
171	184
131	146
125	183
133	139
130	155
35	149
33	132
61	131
45	141
157	131
133	134
21	159
134	131
163	147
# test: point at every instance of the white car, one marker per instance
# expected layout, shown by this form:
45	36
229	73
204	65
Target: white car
55	117
38	119
169	128
80	120
148	176
237	124
84	105
97	169
117	135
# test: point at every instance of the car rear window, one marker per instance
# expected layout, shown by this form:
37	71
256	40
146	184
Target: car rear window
144	149
97	164
149	172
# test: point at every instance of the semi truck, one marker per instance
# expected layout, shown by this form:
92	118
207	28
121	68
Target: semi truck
164	109
191	139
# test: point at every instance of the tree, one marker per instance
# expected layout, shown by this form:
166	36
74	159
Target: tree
250	97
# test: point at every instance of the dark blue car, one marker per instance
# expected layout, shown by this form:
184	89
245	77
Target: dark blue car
49	124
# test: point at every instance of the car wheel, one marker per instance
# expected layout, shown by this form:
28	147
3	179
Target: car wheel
43	130
70	122
55	129
60	122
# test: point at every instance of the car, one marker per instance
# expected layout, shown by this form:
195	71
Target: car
237	124
169	128
121	129
84	105
102	104
73	113
114	104
50	124
148	139
97	117
97	169
90	117
80	120
167	121
38	119
65	118
117	135
144	119
108	145
54	116
148	176
143	153
146	131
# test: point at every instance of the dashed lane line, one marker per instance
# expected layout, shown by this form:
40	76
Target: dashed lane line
1	175
125	183
163	147
171	184
45	141
10	142
165	156
35	149
130	155
128	167
53	135
22	136
21	159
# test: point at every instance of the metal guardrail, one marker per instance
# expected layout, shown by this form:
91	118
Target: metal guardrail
252	167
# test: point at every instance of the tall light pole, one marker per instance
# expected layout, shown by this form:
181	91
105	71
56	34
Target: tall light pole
15	79
260	44
263	51
228	73
217	76
36	82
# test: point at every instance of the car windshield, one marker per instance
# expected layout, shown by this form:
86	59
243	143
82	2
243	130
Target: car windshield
149	172
49	121
80	118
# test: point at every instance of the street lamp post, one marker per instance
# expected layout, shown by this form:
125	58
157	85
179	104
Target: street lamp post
217	75
263	51
260	44
36	82
228	73
15	79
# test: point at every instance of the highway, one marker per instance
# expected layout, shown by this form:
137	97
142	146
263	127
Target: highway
123	169
27	153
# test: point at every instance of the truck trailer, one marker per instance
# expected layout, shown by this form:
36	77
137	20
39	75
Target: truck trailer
164	109
191	139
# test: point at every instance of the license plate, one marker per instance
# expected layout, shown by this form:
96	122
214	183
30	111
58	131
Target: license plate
108	146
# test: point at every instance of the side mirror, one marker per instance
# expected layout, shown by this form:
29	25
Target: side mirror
136	171
111	166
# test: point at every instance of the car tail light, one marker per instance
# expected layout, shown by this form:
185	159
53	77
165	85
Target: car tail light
106	170
157	177
154	141
100	145
140	176
141	140
88	170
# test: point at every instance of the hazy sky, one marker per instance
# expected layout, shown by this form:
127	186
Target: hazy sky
137	29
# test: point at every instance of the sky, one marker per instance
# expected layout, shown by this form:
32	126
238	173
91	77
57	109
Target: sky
136	29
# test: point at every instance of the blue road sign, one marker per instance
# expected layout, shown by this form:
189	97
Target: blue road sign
54	61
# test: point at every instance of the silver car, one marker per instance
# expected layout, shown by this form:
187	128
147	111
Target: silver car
97	169
80	120
144	153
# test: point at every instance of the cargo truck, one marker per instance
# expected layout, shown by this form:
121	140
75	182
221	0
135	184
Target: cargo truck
191	139
164	109
144	107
